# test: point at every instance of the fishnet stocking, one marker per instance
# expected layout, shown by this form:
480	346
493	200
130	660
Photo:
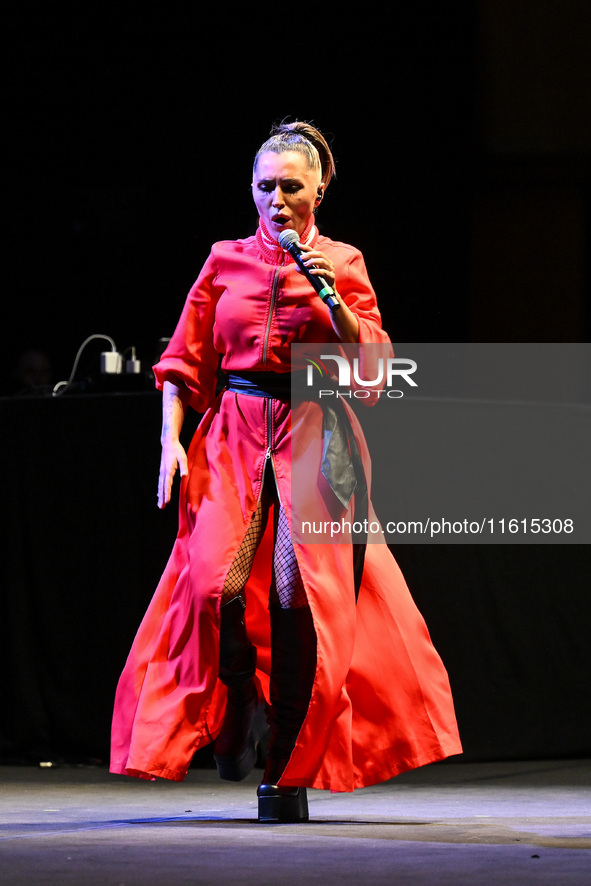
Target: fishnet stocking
288	588
240	569
288	585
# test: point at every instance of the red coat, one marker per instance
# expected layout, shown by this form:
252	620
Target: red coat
381	701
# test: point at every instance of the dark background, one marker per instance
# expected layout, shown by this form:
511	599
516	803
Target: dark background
462	134
134	138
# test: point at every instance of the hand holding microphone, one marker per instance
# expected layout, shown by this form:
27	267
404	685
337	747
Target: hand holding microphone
290	241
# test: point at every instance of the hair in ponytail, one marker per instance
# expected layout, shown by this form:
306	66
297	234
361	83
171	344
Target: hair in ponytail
305	139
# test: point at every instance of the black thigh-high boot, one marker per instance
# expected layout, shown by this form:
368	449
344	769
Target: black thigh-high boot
244	725
293	666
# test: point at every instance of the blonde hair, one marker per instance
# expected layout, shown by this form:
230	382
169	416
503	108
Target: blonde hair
305	139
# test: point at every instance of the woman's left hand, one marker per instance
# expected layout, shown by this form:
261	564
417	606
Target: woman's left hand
324	266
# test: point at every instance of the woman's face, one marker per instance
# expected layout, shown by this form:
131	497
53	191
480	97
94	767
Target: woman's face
285	191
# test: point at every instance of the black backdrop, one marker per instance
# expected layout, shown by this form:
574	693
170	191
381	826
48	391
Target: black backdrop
131	138
131	145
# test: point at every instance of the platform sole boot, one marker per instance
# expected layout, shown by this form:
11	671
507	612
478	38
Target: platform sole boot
293	667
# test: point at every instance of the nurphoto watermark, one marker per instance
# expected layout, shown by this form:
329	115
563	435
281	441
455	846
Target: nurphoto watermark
441	443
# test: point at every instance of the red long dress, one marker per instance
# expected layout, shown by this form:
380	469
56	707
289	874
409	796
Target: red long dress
381	701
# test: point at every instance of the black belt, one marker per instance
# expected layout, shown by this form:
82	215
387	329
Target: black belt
261	384
342	469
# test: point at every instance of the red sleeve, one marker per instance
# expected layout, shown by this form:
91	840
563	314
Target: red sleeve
358	294
190	355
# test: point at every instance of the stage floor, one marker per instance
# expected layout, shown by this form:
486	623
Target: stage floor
451	823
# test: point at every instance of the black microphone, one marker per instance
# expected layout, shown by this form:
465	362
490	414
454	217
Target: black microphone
290	241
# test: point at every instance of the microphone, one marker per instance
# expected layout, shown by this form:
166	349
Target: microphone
290	241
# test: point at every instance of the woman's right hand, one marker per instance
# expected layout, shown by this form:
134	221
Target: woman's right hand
174	400
173	457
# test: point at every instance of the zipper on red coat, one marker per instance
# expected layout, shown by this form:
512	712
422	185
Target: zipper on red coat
268	400
271	309
269	450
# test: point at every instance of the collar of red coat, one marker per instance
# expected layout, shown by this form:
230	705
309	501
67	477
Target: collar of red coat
272	251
